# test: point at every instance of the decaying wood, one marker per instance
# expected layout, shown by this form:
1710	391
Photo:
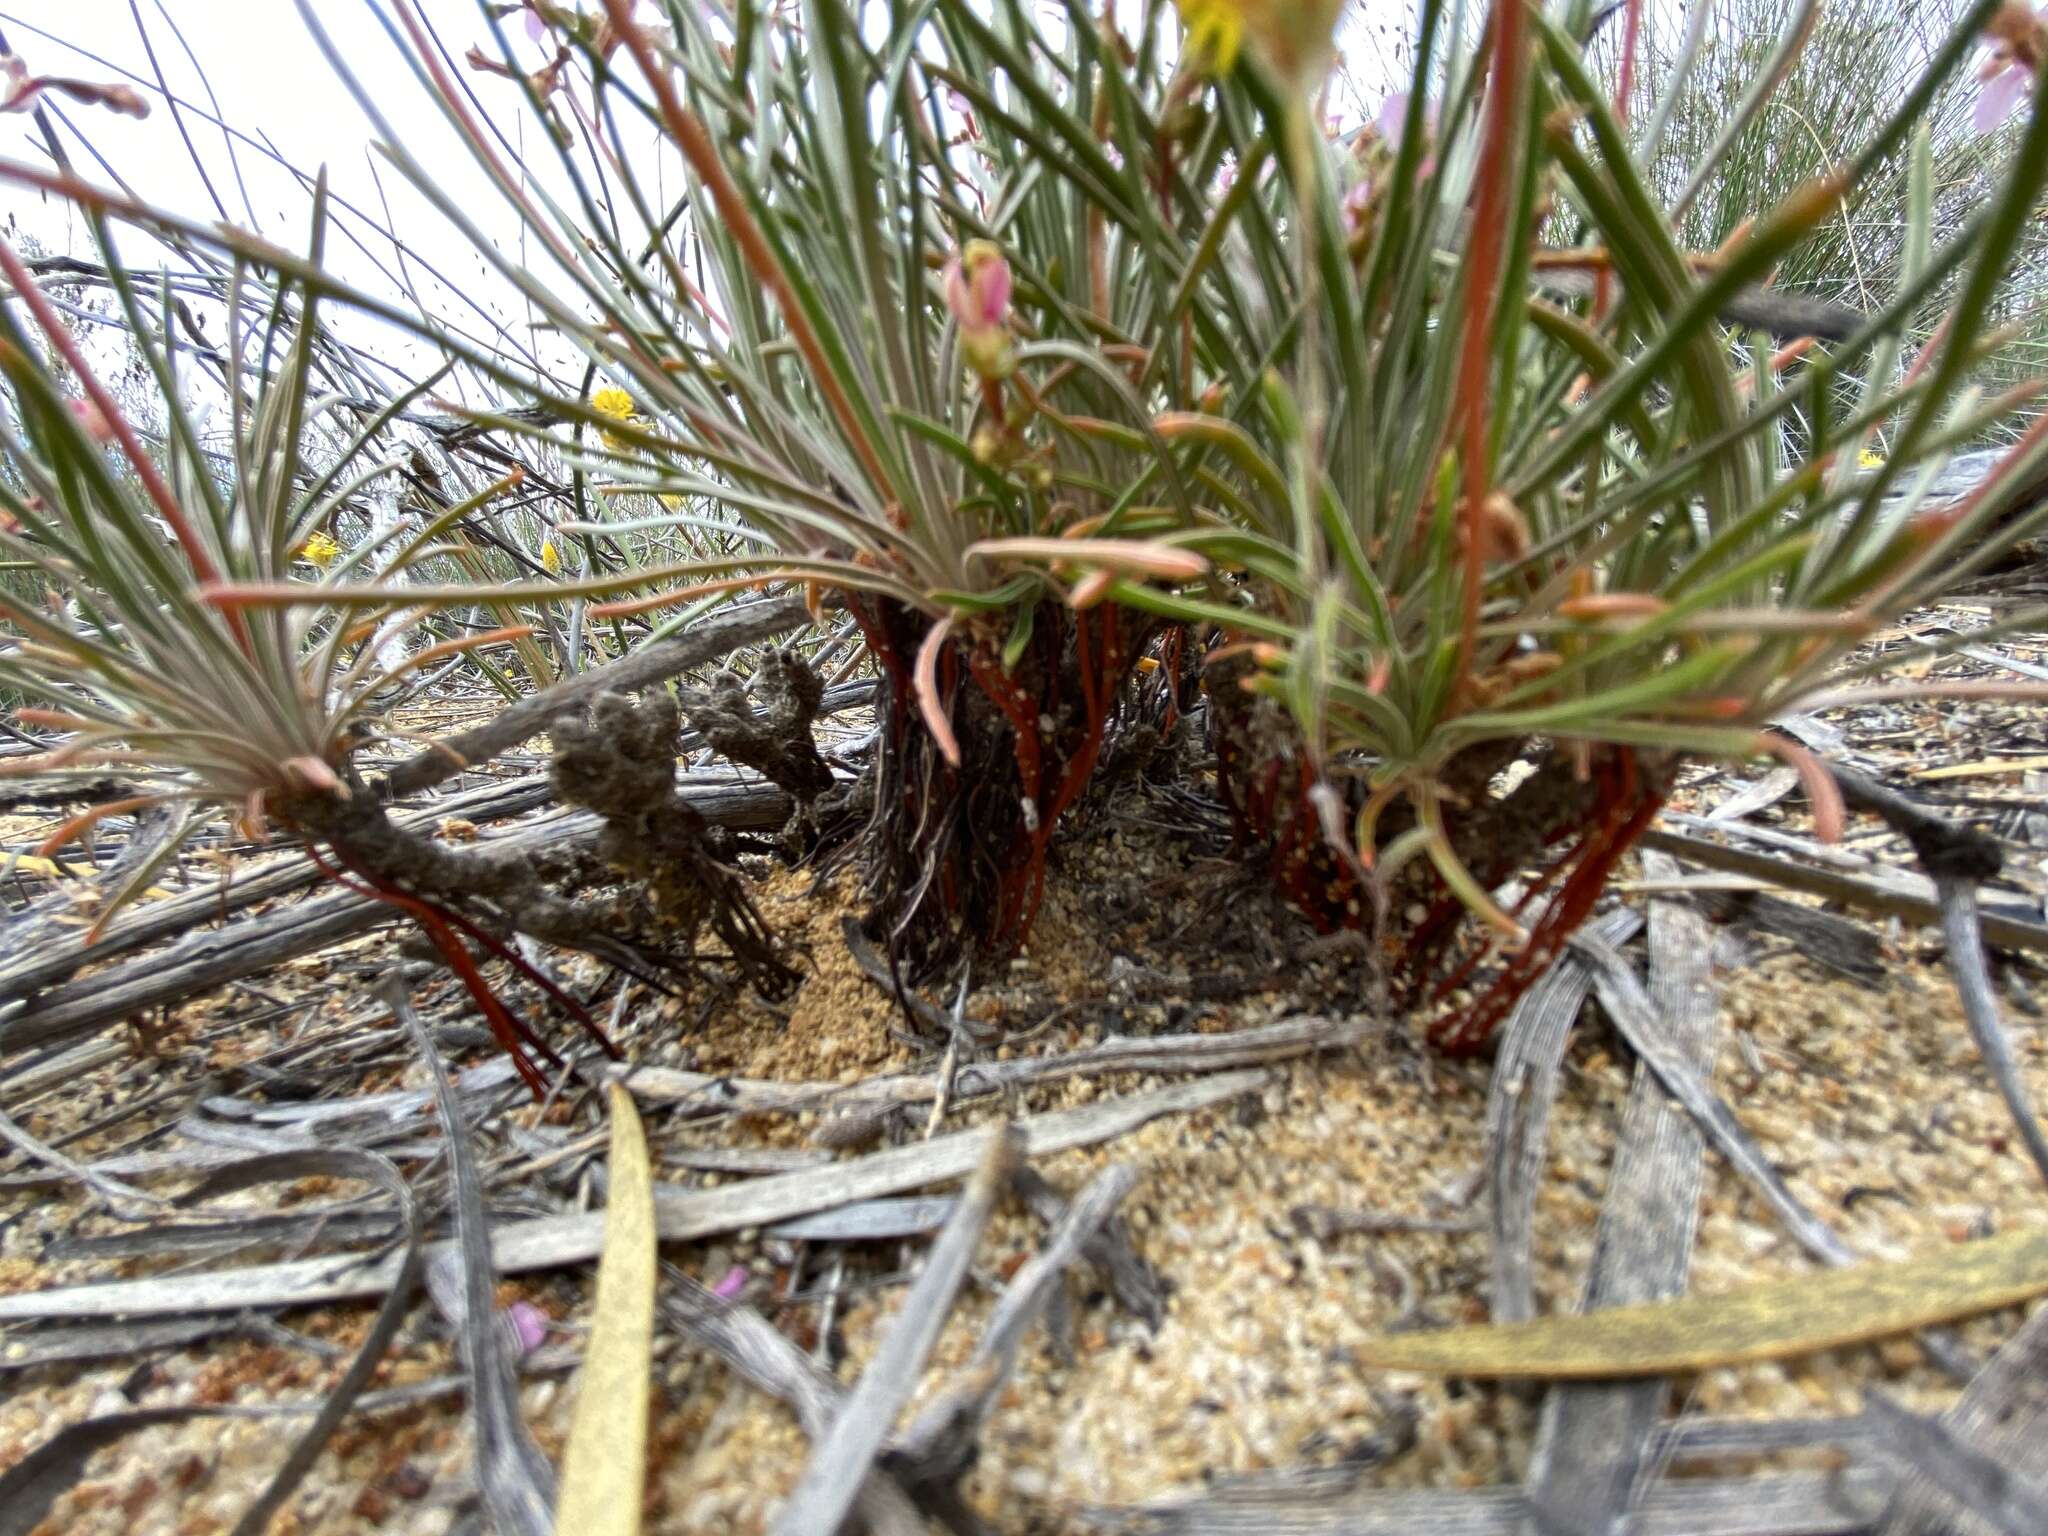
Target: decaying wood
1909	896
762	1355
938	1448
706	641
1286	1041
1525	1079
206	959
60	952
1593	1442
554	1241
1981	1489
1790	1504
1134	1283
1961	925
2002	1415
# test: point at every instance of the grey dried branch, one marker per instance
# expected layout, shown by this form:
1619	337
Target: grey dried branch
842	1458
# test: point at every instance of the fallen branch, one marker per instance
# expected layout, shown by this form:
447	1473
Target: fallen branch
202	961
552	1242
1285	1041
706	641
842	1458
1915	903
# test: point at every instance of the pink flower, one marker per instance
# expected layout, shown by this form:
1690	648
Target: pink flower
734	1282
2019	37
528	1325
978	284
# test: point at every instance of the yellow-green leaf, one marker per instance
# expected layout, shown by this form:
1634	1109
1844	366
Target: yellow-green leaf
1852	1305
604	1469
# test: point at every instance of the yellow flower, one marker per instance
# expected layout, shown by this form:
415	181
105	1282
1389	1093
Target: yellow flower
614	402
320	549
1215	31
551	557
1870	458
1294	38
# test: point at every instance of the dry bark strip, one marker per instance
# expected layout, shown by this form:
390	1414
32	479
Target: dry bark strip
203	960
2002	1416
939	1447
1961	924
761	1355
1594	1439
1518	1102
1984	1488
551	1242
1792	1504
1914	902
1285	1041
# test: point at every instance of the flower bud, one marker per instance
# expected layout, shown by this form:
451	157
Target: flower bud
978	296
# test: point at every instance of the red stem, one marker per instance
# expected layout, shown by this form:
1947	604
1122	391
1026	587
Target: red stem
1489	221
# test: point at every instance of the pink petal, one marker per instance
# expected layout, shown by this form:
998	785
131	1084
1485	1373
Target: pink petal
734	1282
529	1325
958	303
536	29
1998	96
992	291
1393	117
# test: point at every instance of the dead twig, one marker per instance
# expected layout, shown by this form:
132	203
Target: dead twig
707	641
516	1479
1593	1442
938	1448
1525	1082
553	1241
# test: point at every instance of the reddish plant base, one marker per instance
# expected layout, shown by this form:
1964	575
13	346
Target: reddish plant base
440	924
1629	801
1265	781
959	854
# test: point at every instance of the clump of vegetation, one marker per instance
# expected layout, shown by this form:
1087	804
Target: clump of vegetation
1102	390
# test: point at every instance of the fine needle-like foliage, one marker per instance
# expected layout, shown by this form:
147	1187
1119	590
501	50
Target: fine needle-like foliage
124	526
1573	494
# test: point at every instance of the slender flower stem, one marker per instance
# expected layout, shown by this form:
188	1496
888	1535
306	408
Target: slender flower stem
1489	227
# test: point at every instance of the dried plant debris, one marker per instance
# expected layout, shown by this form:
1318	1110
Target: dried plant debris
1211	1281
619	760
